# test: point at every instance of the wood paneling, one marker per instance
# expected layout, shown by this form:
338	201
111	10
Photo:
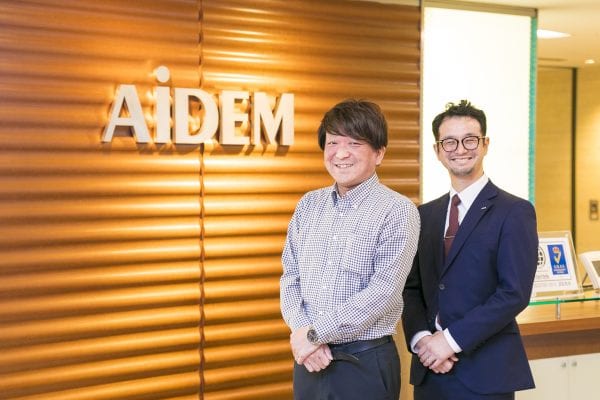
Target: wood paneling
322	52
100	243
150	271
587	184
553	149
575	330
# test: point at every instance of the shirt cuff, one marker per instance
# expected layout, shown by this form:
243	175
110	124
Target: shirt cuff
415	339
297	321
451	341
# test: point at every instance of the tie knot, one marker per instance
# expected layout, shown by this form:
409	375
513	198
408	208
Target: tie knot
455	200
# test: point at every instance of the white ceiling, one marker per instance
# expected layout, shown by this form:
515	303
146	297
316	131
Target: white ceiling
579	18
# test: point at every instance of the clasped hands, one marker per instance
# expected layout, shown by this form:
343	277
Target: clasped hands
314	357
435	353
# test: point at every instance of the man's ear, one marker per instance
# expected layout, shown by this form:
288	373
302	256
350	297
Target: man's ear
380	154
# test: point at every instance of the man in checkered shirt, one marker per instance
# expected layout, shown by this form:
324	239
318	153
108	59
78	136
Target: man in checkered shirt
348	252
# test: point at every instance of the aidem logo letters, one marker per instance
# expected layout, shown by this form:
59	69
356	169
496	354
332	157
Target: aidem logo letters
243	117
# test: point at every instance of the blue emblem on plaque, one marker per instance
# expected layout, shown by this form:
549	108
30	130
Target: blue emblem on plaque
558	263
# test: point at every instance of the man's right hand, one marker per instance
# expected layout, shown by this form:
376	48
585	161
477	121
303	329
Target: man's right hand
319	360
434	354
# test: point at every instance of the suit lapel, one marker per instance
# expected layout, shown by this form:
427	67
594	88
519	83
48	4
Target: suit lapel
438	220
482	204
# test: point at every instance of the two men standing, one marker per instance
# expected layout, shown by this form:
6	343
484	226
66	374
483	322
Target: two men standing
350	248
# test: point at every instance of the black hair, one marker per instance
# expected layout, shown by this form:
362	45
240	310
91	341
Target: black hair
463	109
357	119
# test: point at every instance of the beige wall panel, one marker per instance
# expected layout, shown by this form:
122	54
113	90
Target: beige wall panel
88	374
97	208
553	149
100	243
263	183
66	257
143	271
85	349
177	386
258	203
587	161
242	332
53	281
222	267
74	328
232	310
304	48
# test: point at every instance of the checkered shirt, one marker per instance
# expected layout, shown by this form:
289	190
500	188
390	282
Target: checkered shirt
345	262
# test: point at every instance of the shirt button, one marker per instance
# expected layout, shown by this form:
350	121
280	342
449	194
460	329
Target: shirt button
442	286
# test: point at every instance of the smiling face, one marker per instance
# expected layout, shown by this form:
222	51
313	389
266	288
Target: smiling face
350	161
465	166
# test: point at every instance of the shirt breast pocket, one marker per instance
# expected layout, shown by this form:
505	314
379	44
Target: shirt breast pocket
357	261
311	266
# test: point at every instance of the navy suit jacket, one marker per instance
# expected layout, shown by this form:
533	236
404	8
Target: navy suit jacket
480	288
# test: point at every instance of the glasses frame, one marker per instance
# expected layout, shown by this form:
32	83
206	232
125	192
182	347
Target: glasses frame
461	141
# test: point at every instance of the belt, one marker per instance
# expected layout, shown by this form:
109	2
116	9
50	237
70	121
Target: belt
347	351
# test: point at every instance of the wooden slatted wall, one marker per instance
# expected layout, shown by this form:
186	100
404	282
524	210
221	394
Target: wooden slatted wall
99	244
151	272
323	52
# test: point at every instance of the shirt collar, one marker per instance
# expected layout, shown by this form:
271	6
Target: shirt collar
468	195
357	194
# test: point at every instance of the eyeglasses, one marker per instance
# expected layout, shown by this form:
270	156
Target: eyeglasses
468	142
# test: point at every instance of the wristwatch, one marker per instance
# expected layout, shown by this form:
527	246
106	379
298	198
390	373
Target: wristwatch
311	335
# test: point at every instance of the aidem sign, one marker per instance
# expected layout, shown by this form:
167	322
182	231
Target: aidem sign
237	123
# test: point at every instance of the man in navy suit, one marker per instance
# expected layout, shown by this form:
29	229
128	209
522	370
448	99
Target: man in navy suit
472	275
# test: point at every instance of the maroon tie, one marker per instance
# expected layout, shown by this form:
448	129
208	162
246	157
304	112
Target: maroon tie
452	224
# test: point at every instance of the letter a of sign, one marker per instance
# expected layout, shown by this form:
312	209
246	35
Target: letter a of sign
127	97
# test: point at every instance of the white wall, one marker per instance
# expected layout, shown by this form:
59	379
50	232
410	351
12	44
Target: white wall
485	58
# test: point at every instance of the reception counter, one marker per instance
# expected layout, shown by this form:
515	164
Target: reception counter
558	328
557	335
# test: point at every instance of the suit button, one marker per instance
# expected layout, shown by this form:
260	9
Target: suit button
442	286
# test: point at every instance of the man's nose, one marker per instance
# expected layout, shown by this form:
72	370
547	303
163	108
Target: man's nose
342	152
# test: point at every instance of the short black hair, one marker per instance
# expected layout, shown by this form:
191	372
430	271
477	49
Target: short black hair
462	109
357	119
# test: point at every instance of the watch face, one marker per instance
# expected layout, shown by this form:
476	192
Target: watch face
311	335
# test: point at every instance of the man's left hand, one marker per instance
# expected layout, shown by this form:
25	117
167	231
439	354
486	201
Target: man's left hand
301	347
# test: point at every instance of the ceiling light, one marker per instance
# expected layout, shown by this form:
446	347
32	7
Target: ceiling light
544	34
589	61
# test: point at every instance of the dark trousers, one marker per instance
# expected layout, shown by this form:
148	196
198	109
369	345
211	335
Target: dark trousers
448	387
375	376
